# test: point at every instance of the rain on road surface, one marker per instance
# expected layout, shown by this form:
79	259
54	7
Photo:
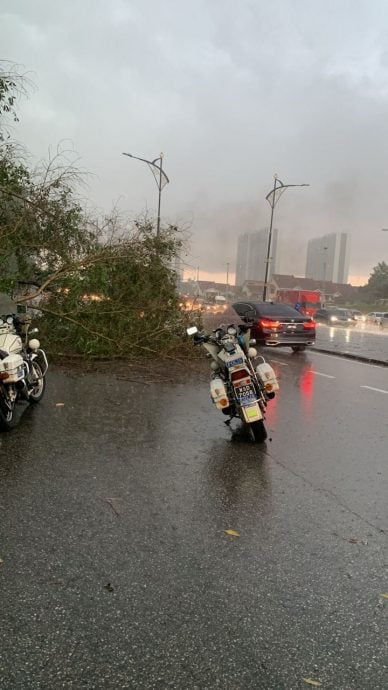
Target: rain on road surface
363	340
117	572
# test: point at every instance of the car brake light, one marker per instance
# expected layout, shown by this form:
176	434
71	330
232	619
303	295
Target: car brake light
309	324
239	374
268	323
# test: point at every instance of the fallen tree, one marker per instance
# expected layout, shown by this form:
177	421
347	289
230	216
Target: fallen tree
102	287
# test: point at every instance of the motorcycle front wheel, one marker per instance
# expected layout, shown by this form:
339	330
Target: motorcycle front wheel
7	416
35	394
258	431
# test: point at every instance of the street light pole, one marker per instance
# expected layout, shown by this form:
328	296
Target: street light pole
269	247
324	273
273	197
160	194
161	179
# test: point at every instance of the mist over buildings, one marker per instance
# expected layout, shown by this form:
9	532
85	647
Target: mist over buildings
231	93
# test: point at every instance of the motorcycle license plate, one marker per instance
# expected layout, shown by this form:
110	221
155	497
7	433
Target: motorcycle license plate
245	394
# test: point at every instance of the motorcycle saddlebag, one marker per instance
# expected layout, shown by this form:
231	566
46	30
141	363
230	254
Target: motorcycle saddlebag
12	365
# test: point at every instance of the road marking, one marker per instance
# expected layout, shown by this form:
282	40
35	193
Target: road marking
282	364
327	376
348	361
379	390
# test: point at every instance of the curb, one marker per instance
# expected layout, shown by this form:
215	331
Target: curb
348	355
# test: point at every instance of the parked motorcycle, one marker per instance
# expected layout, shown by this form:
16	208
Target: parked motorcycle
23	366
237	387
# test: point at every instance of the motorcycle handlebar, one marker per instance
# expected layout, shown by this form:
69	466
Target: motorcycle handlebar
200	338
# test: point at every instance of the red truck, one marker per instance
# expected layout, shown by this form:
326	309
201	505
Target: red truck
306	301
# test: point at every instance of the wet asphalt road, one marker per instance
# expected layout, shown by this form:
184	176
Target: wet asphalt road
365	340
117	572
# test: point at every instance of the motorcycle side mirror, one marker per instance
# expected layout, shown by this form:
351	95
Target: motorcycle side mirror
33	331
192	330
252	341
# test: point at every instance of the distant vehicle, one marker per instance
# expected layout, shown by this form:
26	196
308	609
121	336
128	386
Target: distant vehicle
308	300
357	314
335	317
374	317
277	325
384	320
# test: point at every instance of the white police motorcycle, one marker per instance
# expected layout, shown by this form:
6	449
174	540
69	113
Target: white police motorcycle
23	366
238	388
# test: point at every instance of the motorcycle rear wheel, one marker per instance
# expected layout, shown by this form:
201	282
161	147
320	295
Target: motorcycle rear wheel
36	393
258	431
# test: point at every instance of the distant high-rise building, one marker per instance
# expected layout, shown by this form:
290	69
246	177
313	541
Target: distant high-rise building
328	257
252	250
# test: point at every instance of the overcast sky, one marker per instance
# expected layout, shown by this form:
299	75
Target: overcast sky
231	92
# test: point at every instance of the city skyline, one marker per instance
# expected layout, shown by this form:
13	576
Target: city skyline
328	257
334	257
252	248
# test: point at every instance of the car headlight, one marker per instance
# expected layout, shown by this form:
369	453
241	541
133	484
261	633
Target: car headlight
333	318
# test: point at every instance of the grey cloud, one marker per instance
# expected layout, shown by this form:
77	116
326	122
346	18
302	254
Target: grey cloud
232	93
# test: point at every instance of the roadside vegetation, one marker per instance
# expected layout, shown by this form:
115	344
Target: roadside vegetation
101	286
374	295
375	292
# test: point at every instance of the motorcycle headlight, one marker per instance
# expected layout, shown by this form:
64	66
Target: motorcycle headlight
10	320
232	330
34	344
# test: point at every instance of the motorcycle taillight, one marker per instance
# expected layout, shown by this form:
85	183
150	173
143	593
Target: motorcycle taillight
239	374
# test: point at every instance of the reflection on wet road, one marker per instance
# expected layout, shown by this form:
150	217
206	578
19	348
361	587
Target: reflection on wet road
117	571
363	340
